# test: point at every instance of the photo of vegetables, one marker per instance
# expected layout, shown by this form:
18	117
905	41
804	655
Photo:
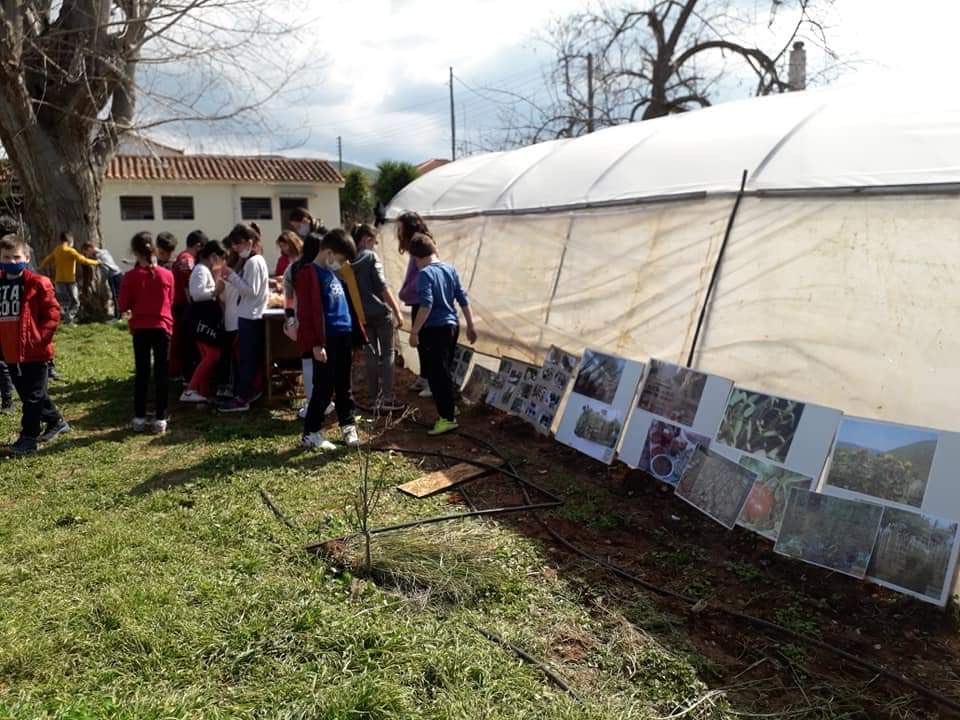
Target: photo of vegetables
883	460
598	427
763	511
715	486
667	450
760	424
829	531
913	551
672	392
599	376
479	384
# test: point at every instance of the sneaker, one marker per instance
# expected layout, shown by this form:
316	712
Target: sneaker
316	441
158	427
54	429
418	385
224	392
52	373
24	446
256	396
6	406
425	393
192	396
443	426
302	413
236	405
350	437
139	424
331	409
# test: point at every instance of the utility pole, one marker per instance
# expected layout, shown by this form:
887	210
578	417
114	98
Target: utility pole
340	154
589	92
453	122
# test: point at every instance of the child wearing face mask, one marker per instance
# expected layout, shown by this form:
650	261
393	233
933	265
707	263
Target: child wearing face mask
252	284
330	318
301	222
29	316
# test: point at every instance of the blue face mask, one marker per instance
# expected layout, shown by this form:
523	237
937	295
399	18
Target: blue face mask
14	268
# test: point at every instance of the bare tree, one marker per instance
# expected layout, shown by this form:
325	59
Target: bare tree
617	65
72	72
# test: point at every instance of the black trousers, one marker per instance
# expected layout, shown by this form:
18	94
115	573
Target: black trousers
437	346
414	309
228	359
6	384
249	357
331	380
147	343
30	380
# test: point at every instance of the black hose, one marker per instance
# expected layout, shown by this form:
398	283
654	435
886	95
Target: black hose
526	657
275	509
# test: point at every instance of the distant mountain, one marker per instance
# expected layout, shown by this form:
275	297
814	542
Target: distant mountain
920	454
371	173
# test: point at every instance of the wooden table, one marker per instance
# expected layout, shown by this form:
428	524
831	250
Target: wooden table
277	345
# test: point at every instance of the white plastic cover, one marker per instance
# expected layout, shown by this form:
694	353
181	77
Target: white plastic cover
874	135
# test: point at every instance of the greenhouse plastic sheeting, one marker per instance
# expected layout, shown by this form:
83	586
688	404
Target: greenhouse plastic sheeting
847	302
629	280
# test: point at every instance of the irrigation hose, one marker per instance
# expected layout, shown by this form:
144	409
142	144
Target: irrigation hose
744	617
528	658
277	512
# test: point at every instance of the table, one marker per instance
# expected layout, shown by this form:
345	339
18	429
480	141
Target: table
277	346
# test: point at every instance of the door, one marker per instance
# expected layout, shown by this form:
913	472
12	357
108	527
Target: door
288	205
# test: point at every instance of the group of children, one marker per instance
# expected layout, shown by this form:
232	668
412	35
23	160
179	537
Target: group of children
201	315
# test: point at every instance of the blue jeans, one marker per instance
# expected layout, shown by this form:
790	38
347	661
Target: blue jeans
249	352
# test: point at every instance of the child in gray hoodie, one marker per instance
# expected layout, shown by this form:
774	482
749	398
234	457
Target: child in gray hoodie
383	318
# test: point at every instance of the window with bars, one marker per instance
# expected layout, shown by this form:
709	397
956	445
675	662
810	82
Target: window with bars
256	208
177	207
136	207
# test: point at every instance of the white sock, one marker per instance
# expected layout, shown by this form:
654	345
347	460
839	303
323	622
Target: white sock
307	365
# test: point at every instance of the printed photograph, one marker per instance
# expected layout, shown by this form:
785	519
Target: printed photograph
760	424
515	373
561	380
716	486
599	376
540	393
763	512
667	450
568	362
531	374
526	390
883	460
598	426
531	411
547	374
554	401
913	551
481	382
517	406
546	420
672	392
829	531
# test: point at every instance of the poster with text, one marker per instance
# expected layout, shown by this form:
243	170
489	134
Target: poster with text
828	531
604	390
551	385
792	434
462	360
513	386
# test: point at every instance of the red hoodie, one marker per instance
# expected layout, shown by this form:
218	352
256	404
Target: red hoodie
147	292
182	267
30	339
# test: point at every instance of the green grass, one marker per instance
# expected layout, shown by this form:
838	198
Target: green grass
142	577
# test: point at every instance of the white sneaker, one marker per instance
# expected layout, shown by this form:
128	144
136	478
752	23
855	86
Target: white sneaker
350	437
139	424
159	427
425	393
192	396
302	413
331	409
316	441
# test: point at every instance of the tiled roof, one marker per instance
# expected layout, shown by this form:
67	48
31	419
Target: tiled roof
428	165
222	167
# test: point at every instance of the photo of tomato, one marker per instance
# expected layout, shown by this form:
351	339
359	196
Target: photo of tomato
763	512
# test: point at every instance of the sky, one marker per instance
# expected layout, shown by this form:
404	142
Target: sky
375	71
881	436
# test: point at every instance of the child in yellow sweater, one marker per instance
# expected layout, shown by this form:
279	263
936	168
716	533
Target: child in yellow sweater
65	258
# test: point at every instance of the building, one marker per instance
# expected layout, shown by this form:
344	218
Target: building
428	165
178	193
151	186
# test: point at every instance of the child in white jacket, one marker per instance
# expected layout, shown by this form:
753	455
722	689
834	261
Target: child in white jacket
252	286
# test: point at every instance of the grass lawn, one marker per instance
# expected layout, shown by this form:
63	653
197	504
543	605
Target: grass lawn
142	577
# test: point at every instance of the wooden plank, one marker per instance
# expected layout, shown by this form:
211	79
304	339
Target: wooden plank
441	480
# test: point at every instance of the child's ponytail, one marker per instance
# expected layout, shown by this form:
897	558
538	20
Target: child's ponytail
143	248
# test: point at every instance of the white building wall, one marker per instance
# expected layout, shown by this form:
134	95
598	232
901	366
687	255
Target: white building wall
216	209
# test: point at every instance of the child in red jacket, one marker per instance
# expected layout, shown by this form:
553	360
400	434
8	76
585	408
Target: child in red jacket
147	293
29	316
